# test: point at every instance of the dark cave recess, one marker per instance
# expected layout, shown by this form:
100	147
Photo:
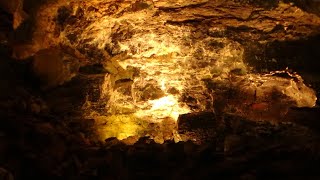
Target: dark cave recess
300	56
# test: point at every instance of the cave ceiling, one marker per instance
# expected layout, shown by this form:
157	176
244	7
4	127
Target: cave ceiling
106	24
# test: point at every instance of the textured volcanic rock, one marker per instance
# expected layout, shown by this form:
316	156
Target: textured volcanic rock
217	38
130	52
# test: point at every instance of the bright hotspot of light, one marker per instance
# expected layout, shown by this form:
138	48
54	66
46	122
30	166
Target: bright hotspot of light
167	106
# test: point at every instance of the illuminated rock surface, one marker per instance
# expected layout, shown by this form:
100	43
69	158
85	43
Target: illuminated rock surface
164	59
205	80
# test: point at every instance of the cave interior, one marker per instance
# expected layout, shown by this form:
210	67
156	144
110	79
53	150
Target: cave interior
159	89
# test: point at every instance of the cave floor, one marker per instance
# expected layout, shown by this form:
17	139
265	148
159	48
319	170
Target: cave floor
42	146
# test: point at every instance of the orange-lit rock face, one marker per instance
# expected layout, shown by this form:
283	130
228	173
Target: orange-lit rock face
167	58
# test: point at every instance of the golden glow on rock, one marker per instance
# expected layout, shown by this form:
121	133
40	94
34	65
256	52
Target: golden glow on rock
120	126
164	107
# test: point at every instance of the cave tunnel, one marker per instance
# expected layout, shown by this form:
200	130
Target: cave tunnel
159	89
